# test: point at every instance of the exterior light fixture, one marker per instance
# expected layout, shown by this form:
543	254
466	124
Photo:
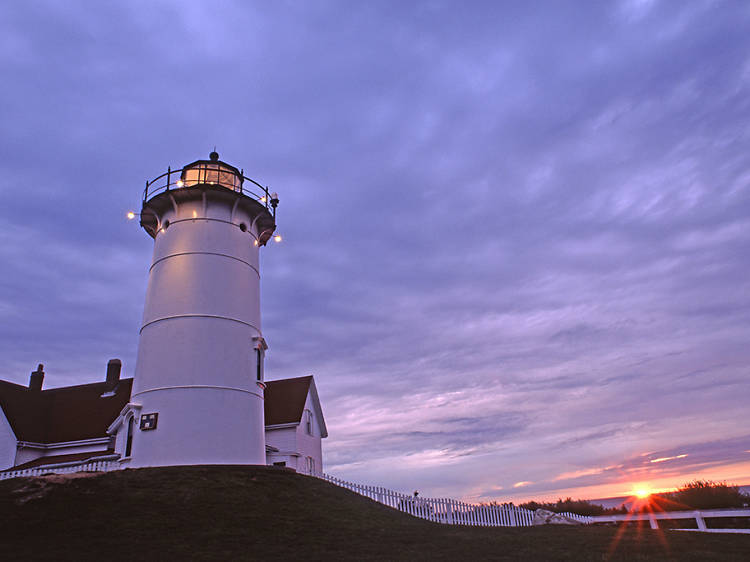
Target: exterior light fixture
274	203
277	238
263	199
180	183
130	215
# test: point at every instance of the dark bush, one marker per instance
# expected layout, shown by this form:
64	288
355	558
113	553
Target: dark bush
706	494
579	507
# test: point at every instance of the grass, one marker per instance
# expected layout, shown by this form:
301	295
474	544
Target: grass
251	513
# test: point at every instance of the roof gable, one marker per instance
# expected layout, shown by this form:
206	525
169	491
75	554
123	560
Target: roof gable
285	401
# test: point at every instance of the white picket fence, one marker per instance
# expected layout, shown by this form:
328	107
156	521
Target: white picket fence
700	516
101	464
446	510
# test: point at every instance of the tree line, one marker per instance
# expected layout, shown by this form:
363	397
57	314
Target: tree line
698	494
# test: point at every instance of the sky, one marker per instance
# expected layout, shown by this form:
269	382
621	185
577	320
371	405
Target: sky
516	248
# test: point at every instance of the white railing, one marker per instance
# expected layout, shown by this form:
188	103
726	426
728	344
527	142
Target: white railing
700	516
101	464
446	510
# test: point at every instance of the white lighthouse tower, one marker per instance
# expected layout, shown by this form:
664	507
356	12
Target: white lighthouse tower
198	389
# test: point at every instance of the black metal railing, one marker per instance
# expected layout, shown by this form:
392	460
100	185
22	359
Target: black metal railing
208	174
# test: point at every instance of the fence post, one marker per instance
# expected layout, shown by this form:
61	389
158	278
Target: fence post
700	521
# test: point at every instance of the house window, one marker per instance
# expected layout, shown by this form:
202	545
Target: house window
310	465
129	441
308	422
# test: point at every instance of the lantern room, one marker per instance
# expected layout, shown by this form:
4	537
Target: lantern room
208	181
211	172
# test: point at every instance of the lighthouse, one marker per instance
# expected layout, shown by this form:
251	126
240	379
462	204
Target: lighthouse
198	387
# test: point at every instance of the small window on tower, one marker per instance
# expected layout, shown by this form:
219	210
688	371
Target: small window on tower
129	438
259	364
308	422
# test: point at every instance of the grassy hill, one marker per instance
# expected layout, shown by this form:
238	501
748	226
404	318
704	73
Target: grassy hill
233	512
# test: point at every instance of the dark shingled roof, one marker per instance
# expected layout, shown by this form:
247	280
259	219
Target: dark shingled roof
63	414
285	400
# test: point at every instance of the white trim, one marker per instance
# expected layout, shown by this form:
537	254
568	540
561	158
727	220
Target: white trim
130	427
174	204
254	224
282	425
208	386
318	409
130	406
64	444
197	316
161	259
285	454
96	464
110	457
234	209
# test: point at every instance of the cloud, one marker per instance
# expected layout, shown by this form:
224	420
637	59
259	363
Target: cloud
665	459
512	238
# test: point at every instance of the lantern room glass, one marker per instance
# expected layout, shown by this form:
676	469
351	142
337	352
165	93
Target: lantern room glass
212	173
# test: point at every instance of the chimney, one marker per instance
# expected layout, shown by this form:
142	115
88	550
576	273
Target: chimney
113	373
37	378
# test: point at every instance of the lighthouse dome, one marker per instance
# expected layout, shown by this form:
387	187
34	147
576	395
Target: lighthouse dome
211	172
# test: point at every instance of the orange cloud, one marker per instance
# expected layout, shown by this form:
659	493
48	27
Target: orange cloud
664	459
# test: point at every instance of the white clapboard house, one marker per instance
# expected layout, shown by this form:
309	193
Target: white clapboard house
78	424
